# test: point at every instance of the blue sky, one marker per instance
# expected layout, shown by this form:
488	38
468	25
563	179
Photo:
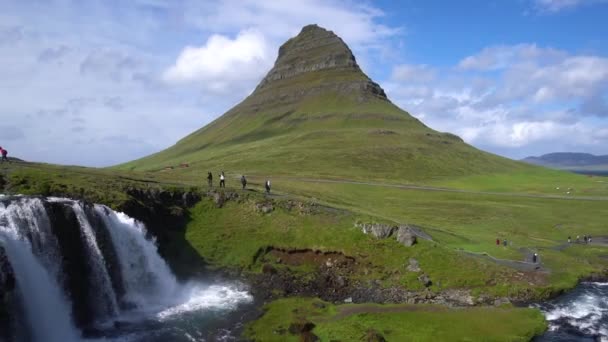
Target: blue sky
99	82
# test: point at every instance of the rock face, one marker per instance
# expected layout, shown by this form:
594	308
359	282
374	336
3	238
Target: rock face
379	231
405	236
315	49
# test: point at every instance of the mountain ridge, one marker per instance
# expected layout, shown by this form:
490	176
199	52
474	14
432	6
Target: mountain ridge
567	159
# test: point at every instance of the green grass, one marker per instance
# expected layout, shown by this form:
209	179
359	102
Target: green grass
473	222
412	323
332	133
96	185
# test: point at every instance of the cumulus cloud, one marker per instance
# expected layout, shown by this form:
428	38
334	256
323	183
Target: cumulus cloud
223	61
505	98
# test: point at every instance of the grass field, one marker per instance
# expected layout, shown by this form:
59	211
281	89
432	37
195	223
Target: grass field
353	322
458	222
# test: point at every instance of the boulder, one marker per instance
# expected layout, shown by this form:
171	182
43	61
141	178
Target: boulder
264	207
405	236
379	231
425	280
414	266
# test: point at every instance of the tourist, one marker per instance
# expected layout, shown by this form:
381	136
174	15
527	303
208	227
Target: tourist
267	185
243	181
534	258
585	238
210	179
4	155
589	239
504	242
569	239
497	242
222	180
578	238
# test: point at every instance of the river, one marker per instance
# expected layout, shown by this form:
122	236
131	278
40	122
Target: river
579	315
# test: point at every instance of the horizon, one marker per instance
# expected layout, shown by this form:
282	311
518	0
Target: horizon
518	80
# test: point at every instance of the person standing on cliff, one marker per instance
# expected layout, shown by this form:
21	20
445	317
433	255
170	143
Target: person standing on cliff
4	155
210	179
244	181
222	180
267	186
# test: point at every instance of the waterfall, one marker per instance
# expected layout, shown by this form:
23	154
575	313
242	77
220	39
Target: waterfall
68	267
147	279
47	310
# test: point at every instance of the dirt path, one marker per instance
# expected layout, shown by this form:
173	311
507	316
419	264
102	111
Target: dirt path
430	188
523	266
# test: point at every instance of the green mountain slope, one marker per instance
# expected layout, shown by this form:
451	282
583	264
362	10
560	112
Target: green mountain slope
317	114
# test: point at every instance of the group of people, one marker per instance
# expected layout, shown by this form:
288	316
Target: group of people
4	154
243	181
586	239
506	243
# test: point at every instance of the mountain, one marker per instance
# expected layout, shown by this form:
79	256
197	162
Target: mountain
316	113
568	160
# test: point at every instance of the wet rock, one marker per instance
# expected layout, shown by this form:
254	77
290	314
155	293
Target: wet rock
374	336
405	236
413	266
425	280
268	269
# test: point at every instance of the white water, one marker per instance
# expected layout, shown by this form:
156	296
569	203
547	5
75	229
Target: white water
148	281
584	312
151	291
47	310
102	284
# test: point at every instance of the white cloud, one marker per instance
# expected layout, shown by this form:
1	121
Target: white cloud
413	73
500	57
515	98
554	6
223	61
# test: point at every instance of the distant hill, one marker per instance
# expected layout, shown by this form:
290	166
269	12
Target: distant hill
317	114
567	160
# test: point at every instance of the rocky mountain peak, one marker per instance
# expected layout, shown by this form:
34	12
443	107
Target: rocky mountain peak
317	49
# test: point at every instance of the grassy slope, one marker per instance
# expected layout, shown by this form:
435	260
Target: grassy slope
413	323
328	135
467	221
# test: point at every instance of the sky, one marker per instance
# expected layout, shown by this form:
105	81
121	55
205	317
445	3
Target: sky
101	82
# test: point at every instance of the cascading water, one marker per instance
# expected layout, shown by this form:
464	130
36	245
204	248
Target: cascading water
69	268
579	315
